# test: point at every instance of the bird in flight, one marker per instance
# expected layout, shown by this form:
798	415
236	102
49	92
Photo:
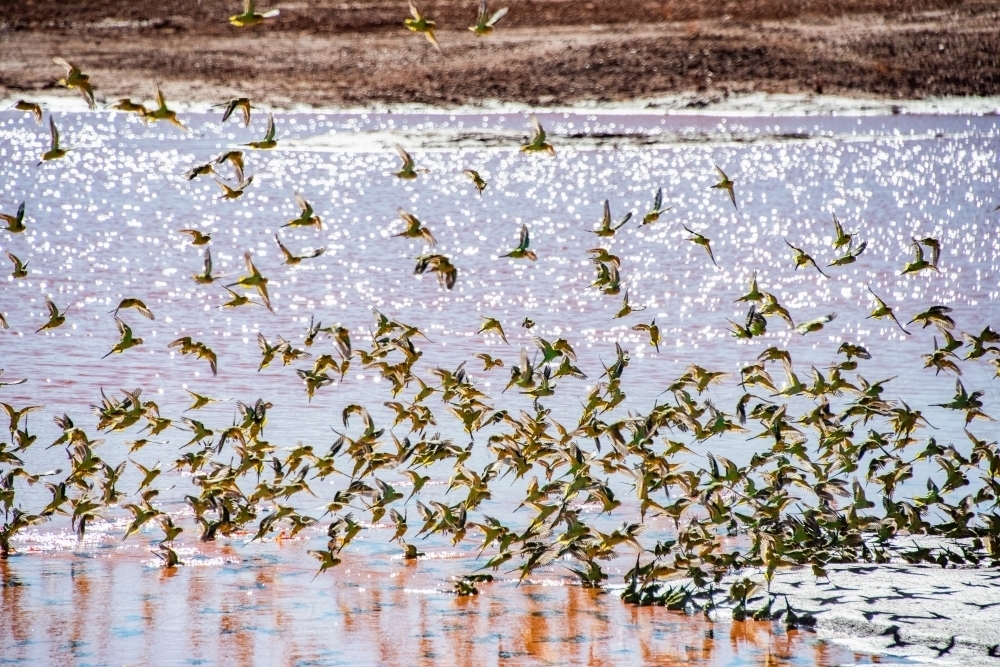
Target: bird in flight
654	213
197	237
161	112
126	105
420	24
189	346
30	107
802	258
293	260
485	22
919	263
56	319
701	240
491	324
415	229
254	280
205	277
815	325
605	228
521	251
250	17
55	151
229	192
139	306
307	218
268	142
727	185
407	171
476	179
841	238
20	268
15	223
127	339
74	78
537	144
239	103
652	330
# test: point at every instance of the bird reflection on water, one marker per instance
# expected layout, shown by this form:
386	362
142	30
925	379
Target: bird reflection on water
113	609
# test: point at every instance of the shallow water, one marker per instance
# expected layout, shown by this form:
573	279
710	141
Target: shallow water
103	225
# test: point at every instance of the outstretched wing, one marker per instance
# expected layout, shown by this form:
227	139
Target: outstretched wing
499	14
54	132
407	160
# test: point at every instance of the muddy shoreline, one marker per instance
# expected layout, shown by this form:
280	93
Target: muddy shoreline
546	53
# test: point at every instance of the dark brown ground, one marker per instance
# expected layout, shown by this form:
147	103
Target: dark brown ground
329	52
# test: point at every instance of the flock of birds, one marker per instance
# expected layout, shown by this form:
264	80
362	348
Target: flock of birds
825	442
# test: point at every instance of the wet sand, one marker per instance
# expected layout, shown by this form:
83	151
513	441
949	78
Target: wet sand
544	53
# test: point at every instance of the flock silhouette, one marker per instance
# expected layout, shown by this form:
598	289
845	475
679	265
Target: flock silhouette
823	486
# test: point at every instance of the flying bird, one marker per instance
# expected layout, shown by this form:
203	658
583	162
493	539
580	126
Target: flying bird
161	112
422	25
74	78
55	151
307	218
250	17
654	213
476	179
537	143
239	103
521	251
30	107
485	22
268	142
407	171
605	227
703	241
15	223
291	259
727	185
415	229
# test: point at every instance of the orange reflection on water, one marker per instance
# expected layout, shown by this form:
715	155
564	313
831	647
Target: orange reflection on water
116	608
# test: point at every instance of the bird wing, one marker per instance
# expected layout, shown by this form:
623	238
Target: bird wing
123	329
407	160
304	205
248	8
248	260
481	18
262	289
286	251
270	127
606	220
525	238
414	11
160	101
721	173
54	132
658	199
539	132
208	261
53	311
497	15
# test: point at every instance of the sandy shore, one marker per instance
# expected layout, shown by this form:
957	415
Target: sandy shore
544	53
